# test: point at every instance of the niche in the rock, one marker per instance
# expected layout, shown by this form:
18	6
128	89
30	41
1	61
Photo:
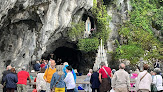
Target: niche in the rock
70	55
85	17
89	24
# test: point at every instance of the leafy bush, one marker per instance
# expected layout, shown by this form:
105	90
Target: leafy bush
129	52
88	44
77	31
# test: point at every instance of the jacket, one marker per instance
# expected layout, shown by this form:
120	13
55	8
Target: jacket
37	67
120	79
145	83
11	80
4	75
95	80
55	78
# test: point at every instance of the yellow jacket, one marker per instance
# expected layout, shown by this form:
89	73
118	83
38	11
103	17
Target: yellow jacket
48	74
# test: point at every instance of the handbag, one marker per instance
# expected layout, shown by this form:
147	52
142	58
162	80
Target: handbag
153	86
53	90
109	79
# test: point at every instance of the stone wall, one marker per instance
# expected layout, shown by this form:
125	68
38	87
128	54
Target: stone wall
28	28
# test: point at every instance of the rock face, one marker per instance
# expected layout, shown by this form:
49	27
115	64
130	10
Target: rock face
118	11
31	28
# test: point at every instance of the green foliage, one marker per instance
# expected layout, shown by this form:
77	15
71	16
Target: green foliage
77	30
158	18
100	12
130	52
138	32
101	19
88	44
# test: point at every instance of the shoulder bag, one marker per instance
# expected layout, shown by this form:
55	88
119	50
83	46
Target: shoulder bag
53	90
109	79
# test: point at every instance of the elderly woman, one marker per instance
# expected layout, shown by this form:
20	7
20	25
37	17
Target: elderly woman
94	80
40	82
157	80
57	81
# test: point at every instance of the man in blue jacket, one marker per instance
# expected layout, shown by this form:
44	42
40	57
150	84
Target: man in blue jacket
11	80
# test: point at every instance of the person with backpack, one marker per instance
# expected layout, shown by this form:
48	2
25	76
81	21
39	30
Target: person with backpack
57	84
105	81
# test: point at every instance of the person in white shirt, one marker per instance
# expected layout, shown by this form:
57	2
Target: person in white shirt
40	82
144	80
157	80
69	80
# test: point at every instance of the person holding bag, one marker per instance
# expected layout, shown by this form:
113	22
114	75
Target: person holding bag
105	73
144	80
57	84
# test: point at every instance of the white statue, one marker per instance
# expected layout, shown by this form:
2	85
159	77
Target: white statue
87	28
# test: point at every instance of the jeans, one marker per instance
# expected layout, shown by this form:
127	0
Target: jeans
75	89
21	88
43	91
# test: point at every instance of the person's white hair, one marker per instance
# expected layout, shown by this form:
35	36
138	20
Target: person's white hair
9	67
23	68
65	63
59	69
90	70
95	69
37	62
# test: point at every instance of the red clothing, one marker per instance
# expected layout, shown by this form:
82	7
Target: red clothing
22	77
104	75
42	65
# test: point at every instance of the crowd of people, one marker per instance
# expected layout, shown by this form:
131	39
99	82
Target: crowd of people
119	81
62	78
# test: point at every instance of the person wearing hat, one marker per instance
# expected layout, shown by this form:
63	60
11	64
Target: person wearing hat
22	80
157	80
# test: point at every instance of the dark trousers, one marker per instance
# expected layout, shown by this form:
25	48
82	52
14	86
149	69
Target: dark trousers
10	89
4	89
42	91
93	89
70	90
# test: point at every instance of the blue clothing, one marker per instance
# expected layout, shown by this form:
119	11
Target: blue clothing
95	80
37	67
46	66
11	80
73	72
55	78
